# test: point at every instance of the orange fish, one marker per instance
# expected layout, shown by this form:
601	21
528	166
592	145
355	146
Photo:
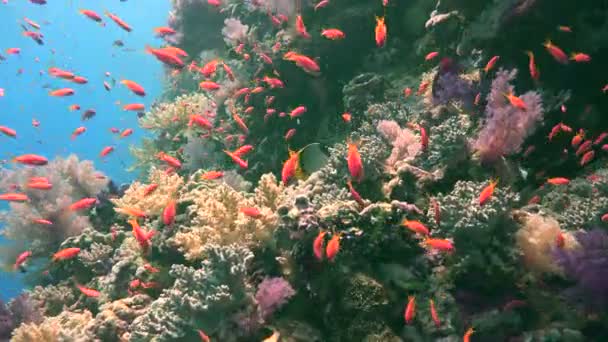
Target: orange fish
355	194
301	28
434	314
136	107
580	57
126	133
21	258
467	335
587	157
56	72
209	69
491	63
91	15
346	117
243	150
290	167
273	82
422	87
431	55
577	139
297	112
151	268
560	240
439	244
8	131
558	181
31	159
199	121
43	221
130	211
317	245
14	197
203	336
78	131
143	238
240	162
149	189
172	161
165	57
175	51
487	192
40	185
251	212
304	62
209	85
66	253
209	175
290	133
88	291
516	102
228	72
416	226
134	87
119	21
32	23
82	204
410	310
240	123
355	165
321	4
62	92
333	34
13	51
164	31
169	213
557	53
333	247
564	29
79	80
424	138
380	32
407	92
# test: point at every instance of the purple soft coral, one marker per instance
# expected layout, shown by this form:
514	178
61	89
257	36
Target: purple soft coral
449	86
588	266
272	294
505	126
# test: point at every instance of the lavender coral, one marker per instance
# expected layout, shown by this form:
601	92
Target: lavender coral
72	180
505	126
588	267
234	31
272	294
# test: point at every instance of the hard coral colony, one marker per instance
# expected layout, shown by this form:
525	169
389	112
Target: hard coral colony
296	187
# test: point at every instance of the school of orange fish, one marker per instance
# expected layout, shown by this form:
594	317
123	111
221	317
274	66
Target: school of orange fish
173	57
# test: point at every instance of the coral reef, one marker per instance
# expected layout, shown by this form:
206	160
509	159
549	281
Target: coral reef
247	221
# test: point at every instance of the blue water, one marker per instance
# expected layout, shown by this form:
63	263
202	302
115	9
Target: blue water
84	47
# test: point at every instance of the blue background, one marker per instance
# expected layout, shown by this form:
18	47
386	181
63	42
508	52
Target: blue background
85	48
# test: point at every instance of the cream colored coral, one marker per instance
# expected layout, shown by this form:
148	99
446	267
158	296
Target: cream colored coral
170	116
215	216
155	202
536	238
67	326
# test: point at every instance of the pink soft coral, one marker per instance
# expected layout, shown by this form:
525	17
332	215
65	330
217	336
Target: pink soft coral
406	145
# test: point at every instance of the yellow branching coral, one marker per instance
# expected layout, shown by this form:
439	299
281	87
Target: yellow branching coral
215	215
536	238
67	326
155	202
